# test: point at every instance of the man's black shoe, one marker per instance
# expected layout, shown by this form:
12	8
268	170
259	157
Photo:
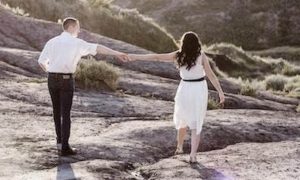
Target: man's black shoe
68	152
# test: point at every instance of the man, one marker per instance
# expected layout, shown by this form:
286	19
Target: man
59	58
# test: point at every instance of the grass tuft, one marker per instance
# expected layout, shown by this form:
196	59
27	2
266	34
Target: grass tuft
248	89
212	104
97	75
275	82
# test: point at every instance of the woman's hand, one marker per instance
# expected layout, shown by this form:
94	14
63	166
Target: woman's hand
132	57
222	99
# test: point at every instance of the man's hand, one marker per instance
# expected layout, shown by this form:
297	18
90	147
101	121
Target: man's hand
107	51
123	57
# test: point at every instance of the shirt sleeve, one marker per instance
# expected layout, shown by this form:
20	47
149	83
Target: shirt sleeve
87	48
45	55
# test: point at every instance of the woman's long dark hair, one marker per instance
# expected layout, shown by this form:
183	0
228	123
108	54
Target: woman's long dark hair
190	50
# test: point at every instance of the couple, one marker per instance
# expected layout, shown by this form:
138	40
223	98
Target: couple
60	57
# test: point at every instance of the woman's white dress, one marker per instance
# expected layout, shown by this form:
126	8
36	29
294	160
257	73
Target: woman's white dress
191	98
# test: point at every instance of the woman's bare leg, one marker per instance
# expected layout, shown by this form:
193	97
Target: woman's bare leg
180	138
195	140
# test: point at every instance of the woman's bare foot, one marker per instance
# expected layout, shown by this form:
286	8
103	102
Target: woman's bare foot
193	159
178	151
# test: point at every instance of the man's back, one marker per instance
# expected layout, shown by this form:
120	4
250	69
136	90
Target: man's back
62	53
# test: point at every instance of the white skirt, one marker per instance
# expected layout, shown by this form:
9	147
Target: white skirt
190	105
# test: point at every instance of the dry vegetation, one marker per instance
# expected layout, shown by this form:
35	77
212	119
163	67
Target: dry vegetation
100	17
246	65
250	24
97	75
292	54
130	134
255	73
212	104
252	72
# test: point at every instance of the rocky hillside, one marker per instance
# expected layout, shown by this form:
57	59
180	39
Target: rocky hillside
99	17
286	52
129	134
251	24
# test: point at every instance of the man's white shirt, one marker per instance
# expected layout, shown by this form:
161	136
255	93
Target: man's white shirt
62	53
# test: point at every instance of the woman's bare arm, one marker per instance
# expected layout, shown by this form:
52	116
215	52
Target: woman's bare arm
154	57
212	77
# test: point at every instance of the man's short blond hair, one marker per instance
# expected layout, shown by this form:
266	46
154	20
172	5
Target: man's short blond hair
69	21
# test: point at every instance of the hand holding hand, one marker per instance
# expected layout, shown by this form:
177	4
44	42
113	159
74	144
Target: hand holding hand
123	57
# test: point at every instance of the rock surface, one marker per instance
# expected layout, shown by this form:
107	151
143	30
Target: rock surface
142	84
247	161
129	134
131	147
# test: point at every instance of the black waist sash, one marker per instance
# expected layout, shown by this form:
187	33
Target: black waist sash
194	80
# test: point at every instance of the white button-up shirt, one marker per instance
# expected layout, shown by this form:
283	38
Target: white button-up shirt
62	53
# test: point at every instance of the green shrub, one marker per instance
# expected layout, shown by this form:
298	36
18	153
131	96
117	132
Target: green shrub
92	74
248	89
277	65
294	94
290	70
292	84
212	104
275	82
293	87
258	85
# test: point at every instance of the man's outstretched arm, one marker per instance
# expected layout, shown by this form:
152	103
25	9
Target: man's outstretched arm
105	50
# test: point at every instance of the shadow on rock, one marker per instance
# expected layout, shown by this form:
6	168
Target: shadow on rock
65	171
208	173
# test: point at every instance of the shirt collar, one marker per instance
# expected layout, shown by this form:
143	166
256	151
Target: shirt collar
66	34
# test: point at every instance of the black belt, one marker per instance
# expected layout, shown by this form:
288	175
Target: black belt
194	80
61	75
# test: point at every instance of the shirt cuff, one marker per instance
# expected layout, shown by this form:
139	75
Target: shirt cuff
94	49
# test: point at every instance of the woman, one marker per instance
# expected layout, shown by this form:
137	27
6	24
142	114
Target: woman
192	94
